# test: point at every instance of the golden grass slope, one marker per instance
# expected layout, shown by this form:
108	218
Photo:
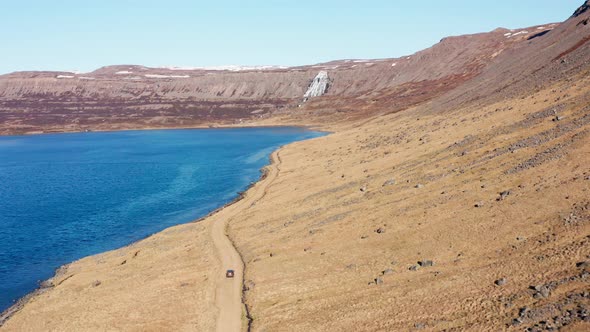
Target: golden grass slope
330	226
163	283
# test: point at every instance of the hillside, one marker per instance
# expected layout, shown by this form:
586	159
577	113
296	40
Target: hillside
453	194
125	97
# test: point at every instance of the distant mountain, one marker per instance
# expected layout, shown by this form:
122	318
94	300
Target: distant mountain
132	96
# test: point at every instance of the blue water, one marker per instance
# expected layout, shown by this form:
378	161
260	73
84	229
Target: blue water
66	196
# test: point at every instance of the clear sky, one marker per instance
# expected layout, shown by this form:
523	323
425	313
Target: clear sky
85	35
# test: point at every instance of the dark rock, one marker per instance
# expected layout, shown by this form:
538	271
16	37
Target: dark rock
420	326
478	204
380	230
419	185
364	237
249	284
46	284
389	182
545	292
378	281
387	272
500	282
541	291
426	263
96	283
583	265
414	268
503	195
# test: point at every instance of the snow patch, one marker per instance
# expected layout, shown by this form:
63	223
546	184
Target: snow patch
86	78
228	68
394	64
165	76
517	33
325	67
64	76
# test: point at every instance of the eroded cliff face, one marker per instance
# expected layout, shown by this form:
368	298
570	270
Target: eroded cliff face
129	96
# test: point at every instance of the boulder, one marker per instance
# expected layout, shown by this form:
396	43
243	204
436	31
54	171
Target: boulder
426	263
500	282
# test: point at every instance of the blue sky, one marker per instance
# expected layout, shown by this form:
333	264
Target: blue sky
85	35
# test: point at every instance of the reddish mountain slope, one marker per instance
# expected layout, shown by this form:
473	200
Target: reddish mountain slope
137	97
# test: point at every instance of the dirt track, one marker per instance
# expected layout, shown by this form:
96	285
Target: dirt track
228	294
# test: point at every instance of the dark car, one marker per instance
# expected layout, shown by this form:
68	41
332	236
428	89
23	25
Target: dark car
229	274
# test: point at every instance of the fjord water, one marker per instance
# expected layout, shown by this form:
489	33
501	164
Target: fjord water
66	196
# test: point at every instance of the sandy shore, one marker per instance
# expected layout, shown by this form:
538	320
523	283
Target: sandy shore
134	127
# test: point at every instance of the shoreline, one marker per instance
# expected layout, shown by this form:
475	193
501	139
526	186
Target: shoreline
48	284
204	127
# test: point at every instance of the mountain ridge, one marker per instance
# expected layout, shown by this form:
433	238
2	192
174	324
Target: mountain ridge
160	97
